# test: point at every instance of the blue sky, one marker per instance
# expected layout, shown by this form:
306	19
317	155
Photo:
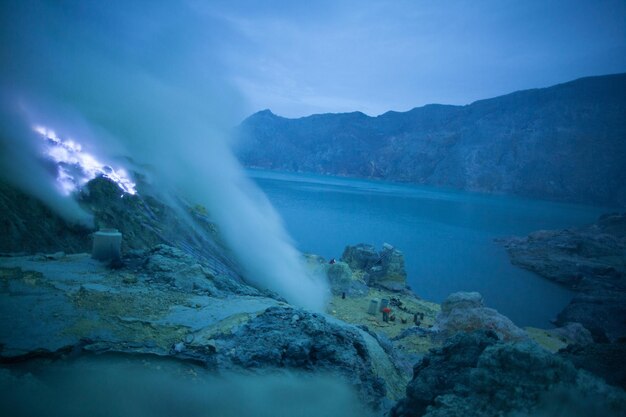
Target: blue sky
298	58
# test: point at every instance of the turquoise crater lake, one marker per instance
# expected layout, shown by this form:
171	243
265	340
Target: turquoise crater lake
447	236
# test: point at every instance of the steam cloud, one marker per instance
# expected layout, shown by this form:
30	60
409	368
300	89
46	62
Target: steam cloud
142	80
134	388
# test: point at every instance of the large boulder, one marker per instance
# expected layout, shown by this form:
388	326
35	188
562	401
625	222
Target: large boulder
390	273
339	275
466	312
342	280
288	338
605	360
572	334
602	312
384	269
589	260
170	265
475	374
462	300
361	256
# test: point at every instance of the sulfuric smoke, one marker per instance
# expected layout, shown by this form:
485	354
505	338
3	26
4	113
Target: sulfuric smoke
145	81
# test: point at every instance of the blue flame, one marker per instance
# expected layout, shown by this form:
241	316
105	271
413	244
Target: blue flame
75	167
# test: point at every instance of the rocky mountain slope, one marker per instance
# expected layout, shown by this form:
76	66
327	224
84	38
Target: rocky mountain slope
28	226
566	142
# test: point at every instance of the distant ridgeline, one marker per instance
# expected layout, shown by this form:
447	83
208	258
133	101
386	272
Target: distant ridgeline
566	142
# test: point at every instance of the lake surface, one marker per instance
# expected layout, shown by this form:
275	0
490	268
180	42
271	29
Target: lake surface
447	236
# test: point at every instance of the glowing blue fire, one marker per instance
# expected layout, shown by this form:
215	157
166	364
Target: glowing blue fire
76	167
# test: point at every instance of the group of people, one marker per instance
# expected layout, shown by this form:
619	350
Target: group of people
387	312
388	316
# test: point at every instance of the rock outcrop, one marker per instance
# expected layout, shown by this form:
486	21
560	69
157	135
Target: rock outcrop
384	268
572	334
284	337
590	260
342	281
466	312
145	221
165	302
475	374
605	360
339	276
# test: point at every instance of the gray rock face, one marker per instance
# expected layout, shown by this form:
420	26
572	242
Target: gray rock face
143	220
284	337
602	313
574	333
361	256
476	375
384	268
462	300
164	302
29	226
465	312
341	280
605	360
504	144
170	265
339	274
590	260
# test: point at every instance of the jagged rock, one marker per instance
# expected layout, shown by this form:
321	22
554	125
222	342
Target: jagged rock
361	256
475	374
339	275
605	360
441	370
144	221
341	280
384	268
30	226
613	224
465	312
602	313
50	308
312	343
390	273
172	266
590	260
573	334
462	300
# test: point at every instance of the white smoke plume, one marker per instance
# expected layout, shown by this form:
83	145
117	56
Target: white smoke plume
143	387
145	81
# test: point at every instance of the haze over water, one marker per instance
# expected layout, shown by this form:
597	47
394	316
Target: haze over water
447	236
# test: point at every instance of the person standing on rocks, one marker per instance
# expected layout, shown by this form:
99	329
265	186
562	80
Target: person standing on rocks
386	312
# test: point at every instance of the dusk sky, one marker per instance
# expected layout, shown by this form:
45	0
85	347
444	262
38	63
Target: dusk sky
298	58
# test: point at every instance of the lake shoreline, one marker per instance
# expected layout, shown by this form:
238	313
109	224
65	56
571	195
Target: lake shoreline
447	236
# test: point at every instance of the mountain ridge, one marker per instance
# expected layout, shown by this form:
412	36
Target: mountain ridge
566	142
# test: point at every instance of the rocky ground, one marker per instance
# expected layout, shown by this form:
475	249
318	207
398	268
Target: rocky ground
592	261
470	359
164	302
476	374
170	300
589	260
29	227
